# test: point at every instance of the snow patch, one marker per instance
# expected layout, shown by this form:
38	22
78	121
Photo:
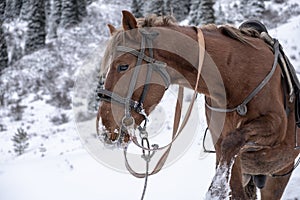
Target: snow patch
220	186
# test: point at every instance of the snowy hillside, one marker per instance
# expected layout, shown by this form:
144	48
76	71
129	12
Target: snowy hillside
39	96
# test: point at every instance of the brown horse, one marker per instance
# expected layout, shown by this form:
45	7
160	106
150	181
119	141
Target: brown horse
253	144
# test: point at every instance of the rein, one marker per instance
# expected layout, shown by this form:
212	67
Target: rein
176	129
137	106
147	157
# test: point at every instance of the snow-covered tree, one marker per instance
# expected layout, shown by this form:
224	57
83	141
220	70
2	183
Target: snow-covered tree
9	7
155	7
81	7
207	12
12	9
48	13
36	33
178	8
202	12
2	8
48	8
72	12
25	10
219	14
137	8
252	9
18	7
54	19
68	13
3	47
20	140
195	12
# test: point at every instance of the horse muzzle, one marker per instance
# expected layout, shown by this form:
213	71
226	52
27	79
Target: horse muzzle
119	138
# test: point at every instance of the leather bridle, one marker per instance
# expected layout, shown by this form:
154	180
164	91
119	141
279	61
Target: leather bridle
152	65
130	104
137	106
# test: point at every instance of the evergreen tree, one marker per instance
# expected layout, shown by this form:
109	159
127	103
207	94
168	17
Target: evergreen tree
55	18
3	46
25	10
252	9
207	12
195	12
220	15
202	12
48	8
36	33
81	7
20	140
137	8
68	13
72	12
13	9
2	9
48	13
178	8
156	7
3	49
9	10
18	7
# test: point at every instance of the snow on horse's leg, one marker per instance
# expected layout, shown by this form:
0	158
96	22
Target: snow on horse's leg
220	186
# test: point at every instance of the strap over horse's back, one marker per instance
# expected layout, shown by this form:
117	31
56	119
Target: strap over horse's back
289	72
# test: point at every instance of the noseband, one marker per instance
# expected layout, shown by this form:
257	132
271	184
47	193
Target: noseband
152	65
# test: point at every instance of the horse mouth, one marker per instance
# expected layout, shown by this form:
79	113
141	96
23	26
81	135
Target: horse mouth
117	139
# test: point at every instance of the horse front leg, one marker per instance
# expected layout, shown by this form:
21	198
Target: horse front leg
262	132
227	182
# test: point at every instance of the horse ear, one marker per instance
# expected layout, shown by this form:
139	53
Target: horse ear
112	29
128	21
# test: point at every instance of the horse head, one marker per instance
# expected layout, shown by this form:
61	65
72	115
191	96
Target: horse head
136	80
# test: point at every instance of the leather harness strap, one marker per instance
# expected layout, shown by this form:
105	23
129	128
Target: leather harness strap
242	108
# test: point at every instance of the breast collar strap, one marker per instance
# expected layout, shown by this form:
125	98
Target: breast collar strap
152	65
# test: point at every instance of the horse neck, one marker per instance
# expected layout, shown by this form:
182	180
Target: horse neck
184	70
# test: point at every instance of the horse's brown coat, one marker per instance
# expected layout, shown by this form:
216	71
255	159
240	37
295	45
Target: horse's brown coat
263	139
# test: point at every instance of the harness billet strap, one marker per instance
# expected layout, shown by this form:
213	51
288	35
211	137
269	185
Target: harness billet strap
242	108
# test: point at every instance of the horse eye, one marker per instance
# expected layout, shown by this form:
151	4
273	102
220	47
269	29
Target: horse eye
122	68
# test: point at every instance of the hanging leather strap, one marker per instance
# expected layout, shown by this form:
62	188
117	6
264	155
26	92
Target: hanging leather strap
178	111
164	157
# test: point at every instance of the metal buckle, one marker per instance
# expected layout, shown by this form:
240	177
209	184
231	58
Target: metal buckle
127	121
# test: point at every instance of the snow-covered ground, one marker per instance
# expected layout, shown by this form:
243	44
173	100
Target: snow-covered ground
57	166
